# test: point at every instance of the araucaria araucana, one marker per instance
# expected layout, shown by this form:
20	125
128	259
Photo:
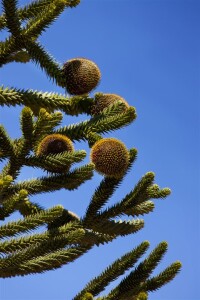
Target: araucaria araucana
47	145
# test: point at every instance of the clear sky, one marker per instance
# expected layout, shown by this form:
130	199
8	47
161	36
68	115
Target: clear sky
148	51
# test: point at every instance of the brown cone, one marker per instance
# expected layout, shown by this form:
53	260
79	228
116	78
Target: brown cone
55	144
110	157
102	101
82	76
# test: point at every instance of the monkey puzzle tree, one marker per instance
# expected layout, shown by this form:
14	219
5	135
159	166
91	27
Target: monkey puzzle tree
45	144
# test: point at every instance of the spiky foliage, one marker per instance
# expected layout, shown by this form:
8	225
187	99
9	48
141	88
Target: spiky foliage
47	145
82	76
110	157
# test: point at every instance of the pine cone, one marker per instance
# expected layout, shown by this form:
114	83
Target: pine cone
102	101
110	157
82	76
55	144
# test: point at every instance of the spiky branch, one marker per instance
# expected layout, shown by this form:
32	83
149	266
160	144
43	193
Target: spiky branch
47	145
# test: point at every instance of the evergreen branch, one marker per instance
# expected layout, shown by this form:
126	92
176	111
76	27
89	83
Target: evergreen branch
30	222
69	181
105	190
8	208
98	124
32	10
45	60
12	204
77	105
45	125
27	123
27	208
13	97
5	181
155	192
137	196
37	53
44	18
22	147
67	236
140	209
4	172
66	217
50	101
55	160
90	237
19	56
27	12
76	132
117	228
115	270
141	296
140	193
114	122
48	262
163	278
7	49
18	244
131	285
2	21
12	168
87	296
96	238
6	144
92	138
100	197
66	233
11	16
40	249
150	285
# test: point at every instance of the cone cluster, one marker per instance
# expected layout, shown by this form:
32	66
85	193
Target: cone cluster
110	156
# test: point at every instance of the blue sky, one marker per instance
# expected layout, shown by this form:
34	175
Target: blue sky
148	52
